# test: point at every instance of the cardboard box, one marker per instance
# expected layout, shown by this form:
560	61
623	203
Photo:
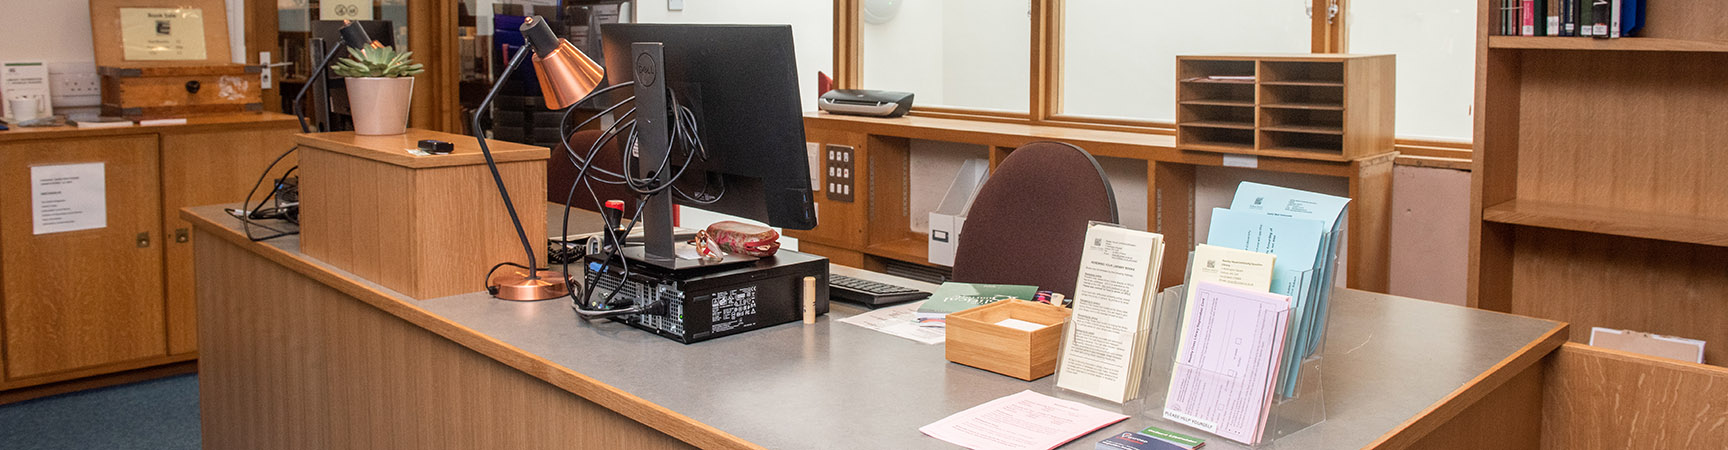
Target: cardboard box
977	337
950	215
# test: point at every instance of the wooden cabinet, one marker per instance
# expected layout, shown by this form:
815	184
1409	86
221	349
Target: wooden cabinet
117	298
82	298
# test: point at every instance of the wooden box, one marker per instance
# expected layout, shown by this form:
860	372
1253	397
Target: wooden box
425	226
976	339
163	92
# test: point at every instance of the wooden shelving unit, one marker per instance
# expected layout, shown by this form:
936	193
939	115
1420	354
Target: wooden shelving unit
1599	198
1324	106
872	229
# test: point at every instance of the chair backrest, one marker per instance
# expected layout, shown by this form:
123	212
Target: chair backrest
1028	223
561	173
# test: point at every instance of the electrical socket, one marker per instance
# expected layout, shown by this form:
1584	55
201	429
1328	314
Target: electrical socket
74	84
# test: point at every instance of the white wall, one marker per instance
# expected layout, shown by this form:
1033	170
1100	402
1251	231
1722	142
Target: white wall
59	30
907	53
1120	57
46	30
1436	46
812	28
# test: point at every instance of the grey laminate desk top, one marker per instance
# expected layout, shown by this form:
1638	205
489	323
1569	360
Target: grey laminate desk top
1388	359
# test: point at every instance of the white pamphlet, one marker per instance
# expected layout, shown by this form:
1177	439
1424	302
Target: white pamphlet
68	197
1103	346
1223	377
1024	421
898	321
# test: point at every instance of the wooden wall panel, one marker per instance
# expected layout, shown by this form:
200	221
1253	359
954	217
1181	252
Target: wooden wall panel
291	364
1509	418
82	299
1640	131
1604	399
1592	280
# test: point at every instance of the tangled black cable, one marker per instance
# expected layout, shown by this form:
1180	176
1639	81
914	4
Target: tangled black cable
684	136
249	214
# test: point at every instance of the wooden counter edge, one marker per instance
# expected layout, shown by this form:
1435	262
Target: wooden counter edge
193	125
1414	429
666	421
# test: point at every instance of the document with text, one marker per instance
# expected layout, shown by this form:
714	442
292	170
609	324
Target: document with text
1104	348
1222	382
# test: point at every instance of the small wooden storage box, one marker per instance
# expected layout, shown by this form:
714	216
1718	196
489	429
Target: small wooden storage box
975	339
180	91
425	226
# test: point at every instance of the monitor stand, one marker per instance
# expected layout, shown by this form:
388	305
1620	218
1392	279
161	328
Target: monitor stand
653	134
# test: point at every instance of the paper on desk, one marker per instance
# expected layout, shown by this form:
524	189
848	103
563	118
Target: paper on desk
1103	348
898	321
1300	204
1021	325
1027	420
1297	245
1223	378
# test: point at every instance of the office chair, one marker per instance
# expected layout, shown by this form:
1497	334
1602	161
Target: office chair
561	173
1028	224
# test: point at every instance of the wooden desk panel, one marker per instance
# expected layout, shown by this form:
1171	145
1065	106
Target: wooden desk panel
295	364
1397	369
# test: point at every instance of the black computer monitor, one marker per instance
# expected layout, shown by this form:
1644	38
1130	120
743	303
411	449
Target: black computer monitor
741	84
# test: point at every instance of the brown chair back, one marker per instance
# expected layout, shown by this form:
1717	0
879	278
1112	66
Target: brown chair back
561	173
1028	223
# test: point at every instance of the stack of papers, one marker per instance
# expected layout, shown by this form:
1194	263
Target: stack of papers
954	297
898	321
1302	229
1024	421
1231	345
1151	438
1104	349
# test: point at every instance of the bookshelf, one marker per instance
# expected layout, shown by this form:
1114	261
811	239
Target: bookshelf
1330	107
1598	192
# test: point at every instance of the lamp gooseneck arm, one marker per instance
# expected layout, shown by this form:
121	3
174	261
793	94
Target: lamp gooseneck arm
299	111
480	133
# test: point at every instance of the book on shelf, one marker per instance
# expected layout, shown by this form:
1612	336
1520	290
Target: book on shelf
953	297
1527	18
1552	25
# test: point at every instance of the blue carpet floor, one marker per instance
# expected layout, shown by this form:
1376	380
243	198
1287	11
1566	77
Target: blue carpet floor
156	414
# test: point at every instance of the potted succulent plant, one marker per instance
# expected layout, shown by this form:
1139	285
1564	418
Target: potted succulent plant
380	87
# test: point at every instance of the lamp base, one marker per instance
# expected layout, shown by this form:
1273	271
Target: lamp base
519	286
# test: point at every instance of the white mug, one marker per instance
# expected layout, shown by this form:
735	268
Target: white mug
26	108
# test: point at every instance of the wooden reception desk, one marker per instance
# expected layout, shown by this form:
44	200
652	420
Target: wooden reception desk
299	354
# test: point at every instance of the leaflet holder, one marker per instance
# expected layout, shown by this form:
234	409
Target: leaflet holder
1295	407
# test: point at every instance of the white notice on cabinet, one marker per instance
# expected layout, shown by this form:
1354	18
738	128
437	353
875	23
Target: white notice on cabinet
69	197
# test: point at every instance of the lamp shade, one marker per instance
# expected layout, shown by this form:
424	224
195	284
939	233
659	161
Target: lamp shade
566	74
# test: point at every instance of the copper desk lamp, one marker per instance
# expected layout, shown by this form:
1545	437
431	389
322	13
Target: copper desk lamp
566	77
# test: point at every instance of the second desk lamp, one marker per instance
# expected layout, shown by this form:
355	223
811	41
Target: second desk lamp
566	77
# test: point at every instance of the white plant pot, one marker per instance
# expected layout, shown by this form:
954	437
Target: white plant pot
380	105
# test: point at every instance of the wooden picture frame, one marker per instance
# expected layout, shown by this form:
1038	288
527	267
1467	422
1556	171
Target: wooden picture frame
108	42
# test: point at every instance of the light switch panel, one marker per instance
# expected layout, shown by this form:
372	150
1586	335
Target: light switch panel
841	176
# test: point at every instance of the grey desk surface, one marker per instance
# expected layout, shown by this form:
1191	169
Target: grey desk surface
796	386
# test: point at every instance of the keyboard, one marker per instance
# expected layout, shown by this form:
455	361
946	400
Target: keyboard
871	293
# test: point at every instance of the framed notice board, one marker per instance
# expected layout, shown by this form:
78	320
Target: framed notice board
159	33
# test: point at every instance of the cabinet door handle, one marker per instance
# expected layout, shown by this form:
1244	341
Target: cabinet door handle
182	235
144	240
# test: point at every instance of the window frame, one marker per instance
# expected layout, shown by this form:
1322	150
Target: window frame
1328	34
